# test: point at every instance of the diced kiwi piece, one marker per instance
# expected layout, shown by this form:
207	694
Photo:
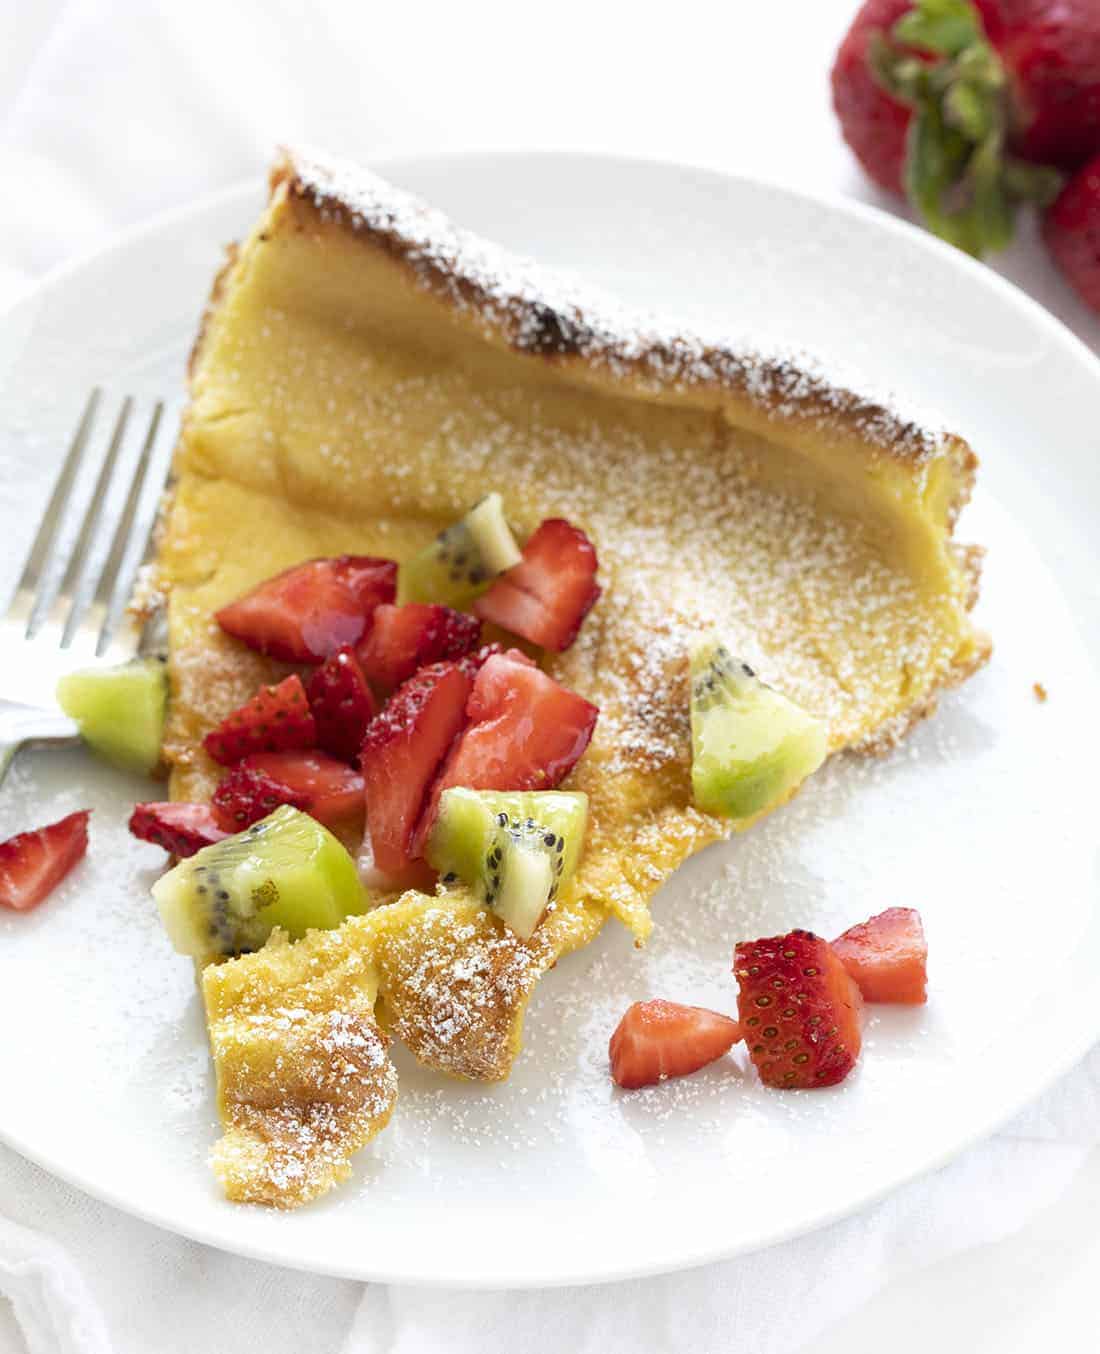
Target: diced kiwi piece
462	560
120	710
286	870
750	745
514	850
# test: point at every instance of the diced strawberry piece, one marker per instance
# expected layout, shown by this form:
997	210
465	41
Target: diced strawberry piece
417	874
308	612
402	753
525	733
659	1039
887	957
276	719
474	662
342	704
245	795
800	1012
32	864
182	829
405	638
327	789
547	595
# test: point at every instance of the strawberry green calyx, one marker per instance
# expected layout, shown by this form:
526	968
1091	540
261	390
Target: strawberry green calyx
959	173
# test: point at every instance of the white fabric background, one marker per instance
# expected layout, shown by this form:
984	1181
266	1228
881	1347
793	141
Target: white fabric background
112	111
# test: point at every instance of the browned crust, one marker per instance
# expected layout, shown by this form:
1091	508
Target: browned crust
217	293
573	336
532	318
971	558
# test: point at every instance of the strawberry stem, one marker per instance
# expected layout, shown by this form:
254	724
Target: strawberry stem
959	173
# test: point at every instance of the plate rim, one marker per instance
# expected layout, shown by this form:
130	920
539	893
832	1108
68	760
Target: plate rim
878	217
1001	1110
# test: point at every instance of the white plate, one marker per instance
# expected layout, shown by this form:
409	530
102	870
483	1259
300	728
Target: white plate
985	820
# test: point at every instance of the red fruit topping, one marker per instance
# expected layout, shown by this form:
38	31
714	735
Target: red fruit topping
887	957
1051	49
971	109
327	789
1071	229
245	795
800	1011
402	753
659	1039
474	662
342	704
525	733
32	864
406	638
547	595
873	123
182	829
276	719
418	874
308	612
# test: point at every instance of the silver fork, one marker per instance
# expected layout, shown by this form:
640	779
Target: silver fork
46	631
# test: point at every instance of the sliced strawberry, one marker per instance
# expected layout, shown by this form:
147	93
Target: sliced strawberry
801	1013
547	595
887	957
308	612
525	733
327	789
32	864
418	874
402	753
276	719
405	638
660	1039
182	829
474	662
246	794
342	704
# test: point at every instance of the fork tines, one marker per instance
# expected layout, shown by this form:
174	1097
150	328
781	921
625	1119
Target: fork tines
83	610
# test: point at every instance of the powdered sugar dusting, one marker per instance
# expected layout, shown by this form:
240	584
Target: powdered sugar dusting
545	311
303	1073
454	982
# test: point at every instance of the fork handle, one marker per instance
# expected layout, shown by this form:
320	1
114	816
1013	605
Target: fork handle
20	724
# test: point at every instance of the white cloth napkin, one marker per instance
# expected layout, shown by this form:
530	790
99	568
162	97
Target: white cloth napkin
112	111
85	1279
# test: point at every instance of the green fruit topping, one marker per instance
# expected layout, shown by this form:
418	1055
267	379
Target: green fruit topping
515	851
463	560
120	710
286	870
750	745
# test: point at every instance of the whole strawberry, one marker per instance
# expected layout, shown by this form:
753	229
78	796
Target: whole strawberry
873	122
1071	229
1051	51
971	107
